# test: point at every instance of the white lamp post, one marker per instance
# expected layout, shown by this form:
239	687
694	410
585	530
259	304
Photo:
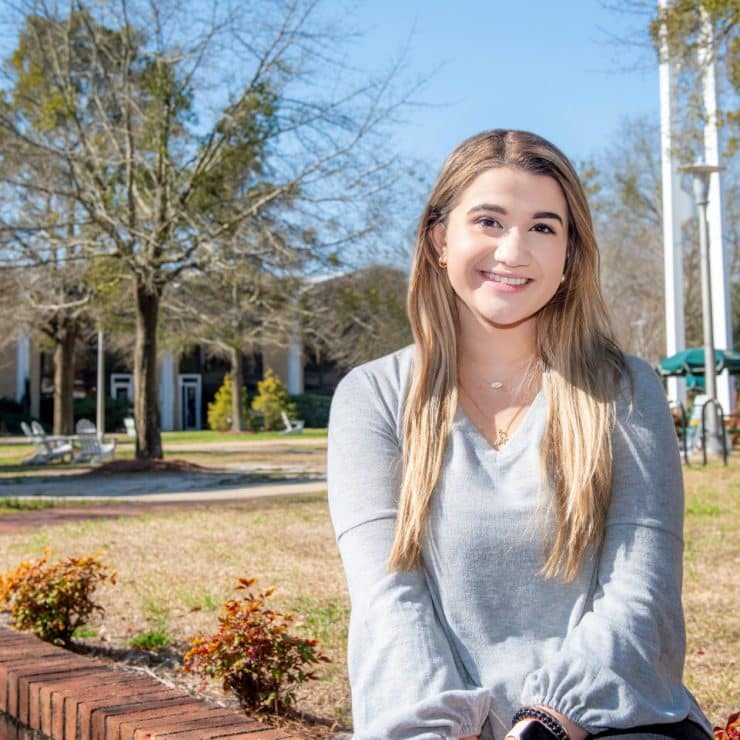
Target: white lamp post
100	399
701	173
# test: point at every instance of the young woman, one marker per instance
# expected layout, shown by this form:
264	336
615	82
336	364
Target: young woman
507	493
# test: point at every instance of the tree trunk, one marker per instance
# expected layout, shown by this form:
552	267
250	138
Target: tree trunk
64	377
146	403
237	416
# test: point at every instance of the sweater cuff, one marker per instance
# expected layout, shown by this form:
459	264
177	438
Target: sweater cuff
447	716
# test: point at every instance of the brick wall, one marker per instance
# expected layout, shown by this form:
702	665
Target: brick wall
48	692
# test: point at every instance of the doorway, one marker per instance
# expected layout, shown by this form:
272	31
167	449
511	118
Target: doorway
190	390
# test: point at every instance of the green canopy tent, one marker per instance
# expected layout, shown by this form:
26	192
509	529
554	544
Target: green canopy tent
690	362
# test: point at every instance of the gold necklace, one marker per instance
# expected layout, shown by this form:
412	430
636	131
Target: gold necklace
502	435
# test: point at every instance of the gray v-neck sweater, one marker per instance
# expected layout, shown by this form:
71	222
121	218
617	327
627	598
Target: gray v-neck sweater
478	632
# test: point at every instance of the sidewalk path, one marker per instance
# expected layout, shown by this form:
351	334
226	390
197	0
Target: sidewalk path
265	468
120	504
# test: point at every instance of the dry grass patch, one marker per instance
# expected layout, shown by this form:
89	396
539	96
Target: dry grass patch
175	570
712	587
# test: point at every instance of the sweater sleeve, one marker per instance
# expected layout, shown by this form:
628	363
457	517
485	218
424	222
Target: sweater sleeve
403	675
621	665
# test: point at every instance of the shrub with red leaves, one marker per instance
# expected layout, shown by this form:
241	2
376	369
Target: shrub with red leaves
731	731
253	654
53	600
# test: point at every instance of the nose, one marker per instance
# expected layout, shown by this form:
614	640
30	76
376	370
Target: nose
511	248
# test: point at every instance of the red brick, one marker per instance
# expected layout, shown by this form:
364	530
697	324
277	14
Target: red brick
68	697
8	730
26	649
201	716
20	677
155	721
78	706
78	689
204	717
124	727
40	700
9	681
94	674
259	733
165	702
251	730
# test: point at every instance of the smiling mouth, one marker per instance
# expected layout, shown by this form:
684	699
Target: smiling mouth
503	279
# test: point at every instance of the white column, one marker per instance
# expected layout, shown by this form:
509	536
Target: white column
672	249
721	304
167	392
100	389
22	365
295	364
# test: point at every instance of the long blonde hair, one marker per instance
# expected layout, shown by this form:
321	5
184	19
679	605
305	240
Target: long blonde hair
575	347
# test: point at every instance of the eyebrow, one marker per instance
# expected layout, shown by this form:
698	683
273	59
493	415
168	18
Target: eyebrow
499	209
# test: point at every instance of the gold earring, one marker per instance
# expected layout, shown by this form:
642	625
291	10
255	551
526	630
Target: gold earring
442	261
562	279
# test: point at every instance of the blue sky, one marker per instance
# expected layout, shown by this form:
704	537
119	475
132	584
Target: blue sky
549	66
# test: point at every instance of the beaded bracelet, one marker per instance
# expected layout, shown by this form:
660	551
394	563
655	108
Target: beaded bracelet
544	718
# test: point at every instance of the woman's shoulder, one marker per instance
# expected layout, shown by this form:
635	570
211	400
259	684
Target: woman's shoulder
385	376
640	382
375	387
642	401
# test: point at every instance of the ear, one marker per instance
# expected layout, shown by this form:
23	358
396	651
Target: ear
438	237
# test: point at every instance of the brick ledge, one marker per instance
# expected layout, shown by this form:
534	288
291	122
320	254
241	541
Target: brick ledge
49	692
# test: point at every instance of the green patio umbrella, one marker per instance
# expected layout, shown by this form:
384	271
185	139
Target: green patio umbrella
691	362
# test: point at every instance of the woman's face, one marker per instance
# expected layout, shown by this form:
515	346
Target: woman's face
505	243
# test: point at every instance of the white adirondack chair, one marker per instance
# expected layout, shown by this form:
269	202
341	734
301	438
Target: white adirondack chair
130	425
45	450
292	426
92	450
85	426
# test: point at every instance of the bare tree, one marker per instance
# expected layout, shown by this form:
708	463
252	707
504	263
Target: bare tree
625	193
49	296
231	313
359	316
180	125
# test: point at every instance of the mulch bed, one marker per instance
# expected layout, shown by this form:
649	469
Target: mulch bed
116	467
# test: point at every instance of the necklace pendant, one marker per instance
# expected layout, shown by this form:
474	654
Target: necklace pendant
501	438
496	384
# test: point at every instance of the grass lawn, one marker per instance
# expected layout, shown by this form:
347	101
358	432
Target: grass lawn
175	569
206	435
201	447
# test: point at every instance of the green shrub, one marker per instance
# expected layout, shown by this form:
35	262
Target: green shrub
152	640
53	601
219	410
271	400
313	409
12	414
253	654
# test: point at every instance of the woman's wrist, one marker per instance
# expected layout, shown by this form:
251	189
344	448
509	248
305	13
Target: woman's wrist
575	732
530	729
554	724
